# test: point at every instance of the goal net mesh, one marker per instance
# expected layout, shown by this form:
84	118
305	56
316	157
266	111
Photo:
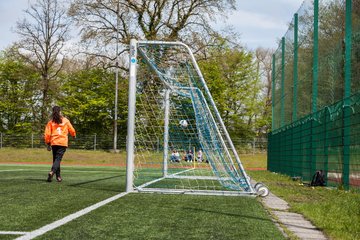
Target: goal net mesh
181	144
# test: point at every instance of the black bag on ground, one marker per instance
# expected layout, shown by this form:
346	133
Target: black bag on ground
318	179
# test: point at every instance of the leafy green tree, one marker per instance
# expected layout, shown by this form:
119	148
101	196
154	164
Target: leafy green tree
230	74
16	96
88	100
264	69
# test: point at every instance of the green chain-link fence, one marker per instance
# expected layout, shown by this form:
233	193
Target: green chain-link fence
316	94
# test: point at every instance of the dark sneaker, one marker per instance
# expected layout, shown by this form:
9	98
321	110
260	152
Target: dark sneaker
50	176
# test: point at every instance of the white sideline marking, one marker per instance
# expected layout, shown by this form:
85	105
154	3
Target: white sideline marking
58	223
12	233
43	170
79	171
12	170
159	179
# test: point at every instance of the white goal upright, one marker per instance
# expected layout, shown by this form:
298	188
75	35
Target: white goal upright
177	141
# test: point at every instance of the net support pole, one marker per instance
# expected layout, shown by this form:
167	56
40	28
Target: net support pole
314	124
131	118
347	93
315	57
282	99
166	132
296	29
273	93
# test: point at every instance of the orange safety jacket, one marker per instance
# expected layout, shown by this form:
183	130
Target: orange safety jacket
57	134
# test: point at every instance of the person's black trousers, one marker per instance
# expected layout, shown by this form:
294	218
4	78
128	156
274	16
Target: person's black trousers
58	153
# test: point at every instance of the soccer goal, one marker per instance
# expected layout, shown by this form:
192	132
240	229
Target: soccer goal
177	141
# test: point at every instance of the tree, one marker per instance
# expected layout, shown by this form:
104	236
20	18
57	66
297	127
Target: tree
145	19
43	34
234	86
88	100
264	68
16	92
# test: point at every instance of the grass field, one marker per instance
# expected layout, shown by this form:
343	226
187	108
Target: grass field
28	202
86	157
334	211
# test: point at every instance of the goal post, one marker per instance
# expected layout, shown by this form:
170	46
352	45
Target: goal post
177	141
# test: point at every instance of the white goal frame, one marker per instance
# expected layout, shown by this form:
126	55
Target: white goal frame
130	147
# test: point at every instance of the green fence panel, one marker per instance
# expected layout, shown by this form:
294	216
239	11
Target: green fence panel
317	74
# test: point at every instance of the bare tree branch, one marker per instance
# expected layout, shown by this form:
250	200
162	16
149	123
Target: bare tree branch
43	33
144	19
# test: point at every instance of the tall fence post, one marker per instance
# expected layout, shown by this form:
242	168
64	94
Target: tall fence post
95	142
327	119
296	28
1	140
254	146
157	144
282	113
313	141
347	94
32	140
315	57
273	94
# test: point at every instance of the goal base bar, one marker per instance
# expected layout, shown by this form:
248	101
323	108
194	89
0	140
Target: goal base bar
195	192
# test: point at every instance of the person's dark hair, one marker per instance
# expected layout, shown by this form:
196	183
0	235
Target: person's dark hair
56	115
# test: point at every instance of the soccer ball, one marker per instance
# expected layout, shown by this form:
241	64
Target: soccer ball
183	123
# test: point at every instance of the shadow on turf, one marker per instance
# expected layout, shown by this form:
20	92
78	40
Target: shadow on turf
77	184
37	179
96	180
247	216
228	214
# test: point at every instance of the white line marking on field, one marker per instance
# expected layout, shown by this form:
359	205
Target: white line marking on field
12	233
58	223
78	171
13	170
159	179
66	170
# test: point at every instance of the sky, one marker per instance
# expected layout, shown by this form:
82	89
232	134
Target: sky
259	23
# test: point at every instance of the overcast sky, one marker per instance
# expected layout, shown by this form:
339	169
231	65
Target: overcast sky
259	23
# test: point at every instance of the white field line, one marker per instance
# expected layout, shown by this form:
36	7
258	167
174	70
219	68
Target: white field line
12	233
66	170
159	179
80	171
58	223
13	170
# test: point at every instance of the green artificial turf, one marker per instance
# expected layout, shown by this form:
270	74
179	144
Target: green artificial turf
28	202
157	216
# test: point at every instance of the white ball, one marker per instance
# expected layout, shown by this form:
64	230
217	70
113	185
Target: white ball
183	123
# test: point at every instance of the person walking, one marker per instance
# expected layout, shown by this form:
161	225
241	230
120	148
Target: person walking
56	138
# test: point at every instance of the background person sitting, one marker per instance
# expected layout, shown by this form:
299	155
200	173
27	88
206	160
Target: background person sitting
189	156
177	156
173	156
199	156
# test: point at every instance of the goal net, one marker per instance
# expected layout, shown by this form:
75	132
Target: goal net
177	141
